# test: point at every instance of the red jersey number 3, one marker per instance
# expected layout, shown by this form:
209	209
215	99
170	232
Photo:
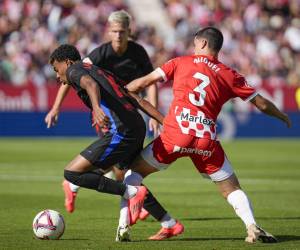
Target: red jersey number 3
204	82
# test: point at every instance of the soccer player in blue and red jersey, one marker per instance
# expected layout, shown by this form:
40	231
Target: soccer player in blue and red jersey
116	110
127	60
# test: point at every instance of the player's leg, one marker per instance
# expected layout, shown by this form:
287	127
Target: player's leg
237	198
216	166
151	206
101	155
150	201
123	148
71	191
119	173
83	169
80	172
141	167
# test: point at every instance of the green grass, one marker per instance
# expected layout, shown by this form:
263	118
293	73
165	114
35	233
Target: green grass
30	181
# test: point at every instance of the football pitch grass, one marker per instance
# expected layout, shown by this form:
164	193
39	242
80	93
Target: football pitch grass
31	172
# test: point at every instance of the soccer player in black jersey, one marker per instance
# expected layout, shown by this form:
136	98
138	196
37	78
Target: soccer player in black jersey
116	111
127	60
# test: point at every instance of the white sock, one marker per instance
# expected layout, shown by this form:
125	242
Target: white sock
167	221
74	188
133	178
124	216
130	178
242	206
129	192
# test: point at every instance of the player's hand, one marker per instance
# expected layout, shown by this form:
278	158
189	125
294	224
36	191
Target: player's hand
51	118
100	118
154	126
287	120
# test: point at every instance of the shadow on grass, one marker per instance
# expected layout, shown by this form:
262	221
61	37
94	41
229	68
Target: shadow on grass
197	239
280	238
283	238
77	239
234	218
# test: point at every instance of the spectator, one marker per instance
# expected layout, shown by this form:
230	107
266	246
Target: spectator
261	37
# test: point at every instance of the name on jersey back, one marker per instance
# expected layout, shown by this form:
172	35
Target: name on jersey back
206	61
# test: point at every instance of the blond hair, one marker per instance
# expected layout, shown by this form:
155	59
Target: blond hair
120	16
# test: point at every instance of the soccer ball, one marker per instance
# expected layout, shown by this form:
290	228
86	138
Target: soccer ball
48	225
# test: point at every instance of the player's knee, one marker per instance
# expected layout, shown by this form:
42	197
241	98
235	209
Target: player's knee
72	176
228	186
119	174
225	193
133	178
142	167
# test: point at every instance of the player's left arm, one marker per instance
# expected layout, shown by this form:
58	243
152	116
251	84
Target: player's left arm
93	91
141	83
152	97
267	107
146	107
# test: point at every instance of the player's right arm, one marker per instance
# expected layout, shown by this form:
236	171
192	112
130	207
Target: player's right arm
141	83
93	91
267	107
52	116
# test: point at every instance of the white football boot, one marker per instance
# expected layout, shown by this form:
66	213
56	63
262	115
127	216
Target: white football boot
256	233
123	233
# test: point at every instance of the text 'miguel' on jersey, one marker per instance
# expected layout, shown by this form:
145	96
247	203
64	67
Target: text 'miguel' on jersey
201	85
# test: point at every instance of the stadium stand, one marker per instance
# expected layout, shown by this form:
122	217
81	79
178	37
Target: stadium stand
260	36
261	41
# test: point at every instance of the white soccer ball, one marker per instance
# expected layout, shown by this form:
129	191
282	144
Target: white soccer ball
48	225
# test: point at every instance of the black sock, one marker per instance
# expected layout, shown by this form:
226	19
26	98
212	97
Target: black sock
96	181
154	207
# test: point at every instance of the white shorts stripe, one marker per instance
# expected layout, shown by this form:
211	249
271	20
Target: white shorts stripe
224	173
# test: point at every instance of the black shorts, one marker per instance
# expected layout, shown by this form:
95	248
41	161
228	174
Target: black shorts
114	149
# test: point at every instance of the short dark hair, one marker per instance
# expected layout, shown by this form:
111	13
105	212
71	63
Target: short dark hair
64	52
213	36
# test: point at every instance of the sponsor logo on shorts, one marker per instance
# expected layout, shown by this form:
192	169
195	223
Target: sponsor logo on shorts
197	151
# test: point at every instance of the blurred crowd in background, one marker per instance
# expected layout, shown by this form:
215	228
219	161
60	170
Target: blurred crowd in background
262	37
